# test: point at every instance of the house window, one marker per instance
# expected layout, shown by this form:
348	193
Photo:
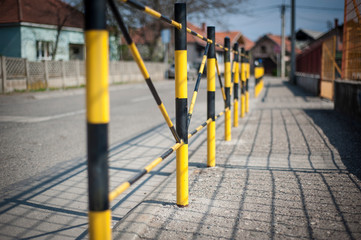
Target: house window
76	51
44	50
263	49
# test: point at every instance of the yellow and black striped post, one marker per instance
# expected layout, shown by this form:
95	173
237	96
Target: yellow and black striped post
243	82
97	100
180	37
248	69
227	89
236	85
211	89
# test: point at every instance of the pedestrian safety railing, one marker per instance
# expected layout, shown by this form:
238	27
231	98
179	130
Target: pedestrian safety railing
97	97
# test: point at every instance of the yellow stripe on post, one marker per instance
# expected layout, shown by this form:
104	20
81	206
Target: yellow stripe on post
99	225
181	73
243	105
211	75
182	176
97	96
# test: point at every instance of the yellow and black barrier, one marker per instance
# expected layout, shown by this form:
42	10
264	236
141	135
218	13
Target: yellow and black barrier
235	85
97	97
97	104
258	75
180	36
227	89
211	93
196	87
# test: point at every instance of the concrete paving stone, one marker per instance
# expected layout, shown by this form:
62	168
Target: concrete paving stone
282	176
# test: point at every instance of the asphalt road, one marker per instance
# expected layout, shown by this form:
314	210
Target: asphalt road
40	130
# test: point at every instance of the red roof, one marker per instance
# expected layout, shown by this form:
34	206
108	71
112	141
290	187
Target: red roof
278	40
51	12
248	43
234	36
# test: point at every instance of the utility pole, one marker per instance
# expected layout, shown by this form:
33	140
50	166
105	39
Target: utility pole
283	50
293	40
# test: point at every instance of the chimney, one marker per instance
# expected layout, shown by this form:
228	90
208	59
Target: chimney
203	27
336	22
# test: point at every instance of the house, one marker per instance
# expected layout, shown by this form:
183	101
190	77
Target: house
305	36
39	29
195	46
268	48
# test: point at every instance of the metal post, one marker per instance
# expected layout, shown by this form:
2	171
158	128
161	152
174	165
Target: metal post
248	68
227	89
293	42
236	85
211	88
283	45
97	98
180	36
243	83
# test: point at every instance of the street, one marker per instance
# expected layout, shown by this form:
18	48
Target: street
43	154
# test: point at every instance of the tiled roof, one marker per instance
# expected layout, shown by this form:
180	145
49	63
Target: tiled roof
278	40
50	12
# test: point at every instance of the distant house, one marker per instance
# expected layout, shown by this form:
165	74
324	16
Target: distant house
268	49
195	46
29	29
304	37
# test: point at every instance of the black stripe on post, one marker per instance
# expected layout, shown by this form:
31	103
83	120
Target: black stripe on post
211	105
98	166
236	60
211	35
95	15
236	86
182	119
180	16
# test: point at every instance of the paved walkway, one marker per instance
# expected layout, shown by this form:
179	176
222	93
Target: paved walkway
292	170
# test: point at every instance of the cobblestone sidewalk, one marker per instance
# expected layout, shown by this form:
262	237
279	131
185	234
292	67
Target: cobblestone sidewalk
292	170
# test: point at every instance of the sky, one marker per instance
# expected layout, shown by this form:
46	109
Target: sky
259	17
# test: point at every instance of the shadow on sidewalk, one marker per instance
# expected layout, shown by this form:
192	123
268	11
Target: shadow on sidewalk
344	134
